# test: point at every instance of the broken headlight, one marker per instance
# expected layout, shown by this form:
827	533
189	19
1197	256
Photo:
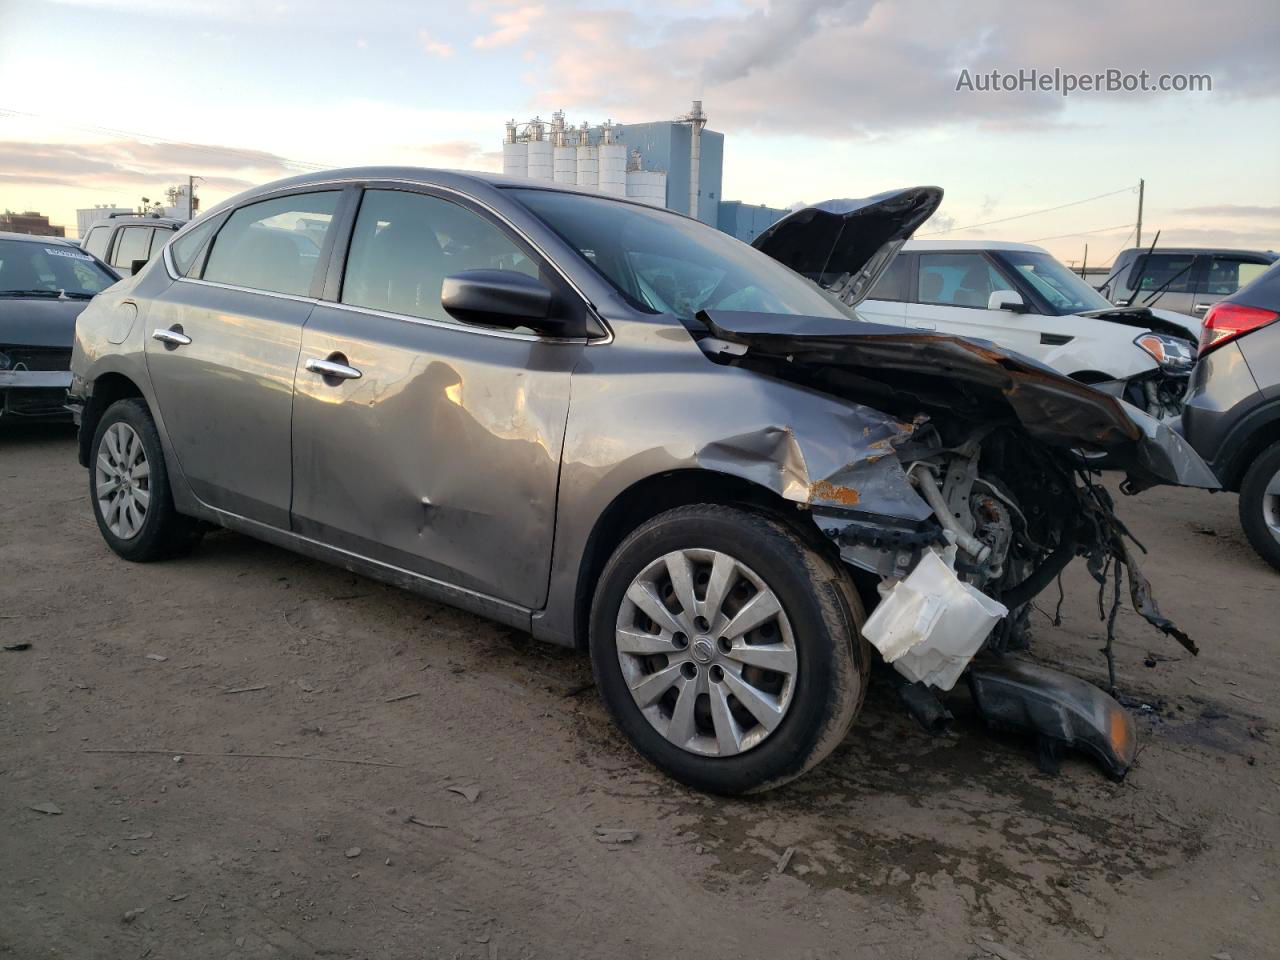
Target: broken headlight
1173	354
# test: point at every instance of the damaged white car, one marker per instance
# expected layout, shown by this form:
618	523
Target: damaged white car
617	428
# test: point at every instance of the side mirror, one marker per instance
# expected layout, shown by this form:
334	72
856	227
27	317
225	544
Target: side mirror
499	298
137	265
1009	300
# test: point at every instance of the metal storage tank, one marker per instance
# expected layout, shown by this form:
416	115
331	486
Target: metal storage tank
565	164
588	161
515	156
647	186
613	163
539	152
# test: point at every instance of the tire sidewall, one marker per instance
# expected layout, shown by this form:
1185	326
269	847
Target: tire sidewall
148	539
1252	494
824	650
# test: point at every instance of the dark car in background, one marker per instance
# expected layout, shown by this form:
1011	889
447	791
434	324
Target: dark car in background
44	284
128	242
1232	414
1194	278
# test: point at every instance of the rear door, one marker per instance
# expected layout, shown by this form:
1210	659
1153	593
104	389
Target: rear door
439	453
223	346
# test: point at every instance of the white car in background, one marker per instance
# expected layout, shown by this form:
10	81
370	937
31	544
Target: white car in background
1021	298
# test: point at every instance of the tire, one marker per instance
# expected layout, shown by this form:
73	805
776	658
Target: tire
1260	510
814	640
129	487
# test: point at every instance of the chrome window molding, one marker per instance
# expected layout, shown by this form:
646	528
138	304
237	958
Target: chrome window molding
232	286
374	184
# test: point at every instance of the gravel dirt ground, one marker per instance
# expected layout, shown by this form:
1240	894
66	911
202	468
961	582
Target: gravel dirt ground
255	755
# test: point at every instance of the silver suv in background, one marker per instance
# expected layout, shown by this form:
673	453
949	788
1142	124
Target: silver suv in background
129	242
1195	278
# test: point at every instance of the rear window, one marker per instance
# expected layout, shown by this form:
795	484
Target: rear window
273	245
96	241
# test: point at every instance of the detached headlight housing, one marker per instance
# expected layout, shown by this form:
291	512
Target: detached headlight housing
1173	354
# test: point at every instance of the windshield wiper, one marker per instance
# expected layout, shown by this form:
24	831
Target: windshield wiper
31	293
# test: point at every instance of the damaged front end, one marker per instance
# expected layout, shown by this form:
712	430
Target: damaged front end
967	495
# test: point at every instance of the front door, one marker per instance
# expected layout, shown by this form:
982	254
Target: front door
222	350
420	442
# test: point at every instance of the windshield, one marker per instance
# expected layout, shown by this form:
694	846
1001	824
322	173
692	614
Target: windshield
49	270
1062	290
669	264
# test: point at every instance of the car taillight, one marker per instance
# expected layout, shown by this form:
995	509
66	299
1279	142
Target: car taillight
1226	321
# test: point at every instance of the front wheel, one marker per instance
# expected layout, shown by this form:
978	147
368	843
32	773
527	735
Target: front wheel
129	487
728	651
1260	505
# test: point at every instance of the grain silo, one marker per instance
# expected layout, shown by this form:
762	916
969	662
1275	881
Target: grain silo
515	153
588	162
540	165
613	162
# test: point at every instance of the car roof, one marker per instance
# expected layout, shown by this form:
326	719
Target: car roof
1271	254
942	243
474	181
35	238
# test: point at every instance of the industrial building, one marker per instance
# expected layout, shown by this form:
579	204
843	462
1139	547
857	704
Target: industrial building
677	164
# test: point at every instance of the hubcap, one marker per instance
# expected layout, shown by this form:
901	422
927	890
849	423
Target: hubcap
122	481
1271	506
707	652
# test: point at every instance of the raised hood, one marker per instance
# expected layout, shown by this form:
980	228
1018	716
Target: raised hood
844	245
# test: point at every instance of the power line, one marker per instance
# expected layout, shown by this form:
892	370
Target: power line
244	154
1033	213
1082	233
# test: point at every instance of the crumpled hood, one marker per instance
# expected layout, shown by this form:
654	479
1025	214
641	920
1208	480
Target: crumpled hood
973	379
39	321
844	245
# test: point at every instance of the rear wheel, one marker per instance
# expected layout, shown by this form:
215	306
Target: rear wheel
129	487
1260	505
728	651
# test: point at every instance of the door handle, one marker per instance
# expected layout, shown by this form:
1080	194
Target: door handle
327	368
171	338
1203	307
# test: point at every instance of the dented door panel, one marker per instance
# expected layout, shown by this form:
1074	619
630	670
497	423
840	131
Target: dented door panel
442	457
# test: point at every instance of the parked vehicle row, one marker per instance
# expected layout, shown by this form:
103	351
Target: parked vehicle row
617	428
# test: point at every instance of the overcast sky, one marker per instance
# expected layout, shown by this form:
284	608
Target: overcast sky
107	100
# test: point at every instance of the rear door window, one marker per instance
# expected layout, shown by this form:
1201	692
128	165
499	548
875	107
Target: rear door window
892	284
958	279
1226	275
159	238
273	245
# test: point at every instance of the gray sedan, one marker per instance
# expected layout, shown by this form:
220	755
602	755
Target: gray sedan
616	428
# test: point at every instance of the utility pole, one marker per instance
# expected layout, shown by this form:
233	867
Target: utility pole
1084	264
1142	184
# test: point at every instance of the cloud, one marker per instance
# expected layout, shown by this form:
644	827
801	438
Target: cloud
510	25
874	68
433	47
121	164
1231	210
